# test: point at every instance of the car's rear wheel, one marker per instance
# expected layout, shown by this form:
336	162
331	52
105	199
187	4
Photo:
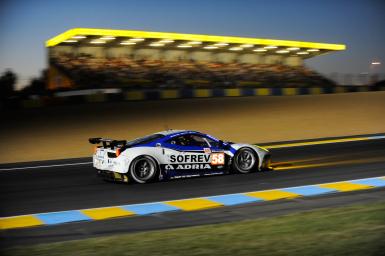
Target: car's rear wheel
245	160
143	169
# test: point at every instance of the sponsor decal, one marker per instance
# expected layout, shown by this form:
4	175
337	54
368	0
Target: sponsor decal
213	158
100	153
190	158
195	175
187	166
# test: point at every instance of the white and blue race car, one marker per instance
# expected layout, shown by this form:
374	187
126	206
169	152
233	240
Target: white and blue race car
174	154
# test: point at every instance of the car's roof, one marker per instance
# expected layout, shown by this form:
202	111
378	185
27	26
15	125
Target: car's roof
170	132
173	132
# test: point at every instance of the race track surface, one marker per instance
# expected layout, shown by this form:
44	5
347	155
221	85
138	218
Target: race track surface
37	190
78	187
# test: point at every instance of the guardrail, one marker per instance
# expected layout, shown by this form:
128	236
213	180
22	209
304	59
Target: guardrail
163	94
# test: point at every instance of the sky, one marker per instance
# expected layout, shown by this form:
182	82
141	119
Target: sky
360	24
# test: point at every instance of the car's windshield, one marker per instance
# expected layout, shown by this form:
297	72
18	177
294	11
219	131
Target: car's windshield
144	140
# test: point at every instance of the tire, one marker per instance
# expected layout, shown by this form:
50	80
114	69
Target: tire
143	169
245	160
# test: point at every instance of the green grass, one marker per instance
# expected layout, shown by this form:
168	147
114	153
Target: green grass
354	230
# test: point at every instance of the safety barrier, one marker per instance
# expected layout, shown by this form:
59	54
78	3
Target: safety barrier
186	93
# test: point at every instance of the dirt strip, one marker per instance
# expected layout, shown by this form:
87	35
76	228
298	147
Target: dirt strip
62	132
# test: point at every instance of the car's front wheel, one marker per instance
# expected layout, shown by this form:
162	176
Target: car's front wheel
245	160
143	169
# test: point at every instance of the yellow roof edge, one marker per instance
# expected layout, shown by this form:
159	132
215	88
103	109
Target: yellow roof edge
191	37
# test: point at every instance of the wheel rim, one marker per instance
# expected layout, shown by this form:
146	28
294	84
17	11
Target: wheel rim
143	169
245	160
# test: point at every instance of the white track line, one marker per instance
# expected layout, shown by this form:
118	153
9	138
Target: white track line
42	166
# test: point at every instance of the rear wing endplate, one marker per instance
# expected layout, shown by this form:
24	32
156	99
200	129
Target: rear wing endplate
107	143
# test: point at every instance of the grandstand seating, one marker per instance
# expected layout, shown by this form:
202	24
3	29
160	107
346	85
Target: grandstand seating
91	72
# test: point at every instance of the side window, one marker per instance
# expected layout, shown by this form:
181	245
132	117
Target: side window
213	143
180	141
189	140
198	141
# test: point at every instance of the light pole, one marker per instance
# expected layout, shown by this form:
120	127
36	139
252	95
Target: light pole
372	70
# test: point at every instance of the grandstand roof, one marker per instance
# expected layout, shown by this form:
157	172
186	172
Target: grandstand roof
166	40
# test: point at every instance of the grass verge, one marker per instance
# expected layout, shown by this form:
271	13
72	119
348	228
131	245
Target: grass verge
353	230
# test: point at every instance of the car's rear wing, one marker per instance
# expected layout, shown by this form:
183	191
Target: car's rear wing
108	143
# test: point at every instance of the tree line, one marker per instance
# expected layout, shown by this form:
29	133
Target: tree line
8	81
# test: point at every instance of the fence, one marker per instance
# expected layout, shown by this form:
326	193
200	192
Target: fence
139	95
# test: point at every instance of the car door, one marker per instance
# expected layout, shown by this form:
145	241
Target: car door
187	155
218	156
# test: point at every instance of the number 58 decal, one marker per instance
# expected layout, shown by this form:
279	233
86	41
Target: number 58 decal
217	158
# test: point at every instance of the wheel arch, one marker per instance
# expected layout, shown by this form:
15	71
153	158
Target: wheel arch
132	153
256	152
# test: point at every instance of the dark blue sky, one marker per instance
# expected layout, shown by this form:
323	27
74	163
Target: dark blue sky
25	25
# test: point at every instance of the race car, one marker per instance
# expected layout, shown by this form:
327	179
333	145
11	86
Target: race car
174	154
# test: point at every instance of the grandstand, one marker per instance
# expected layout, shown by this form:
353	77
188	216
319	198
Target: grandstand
84	58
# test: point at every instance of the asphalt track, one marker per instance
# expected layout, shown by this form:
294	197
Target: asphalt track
57	188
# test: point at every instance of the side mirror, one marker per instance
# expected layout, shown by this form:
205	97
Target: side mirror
158	145
224	145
